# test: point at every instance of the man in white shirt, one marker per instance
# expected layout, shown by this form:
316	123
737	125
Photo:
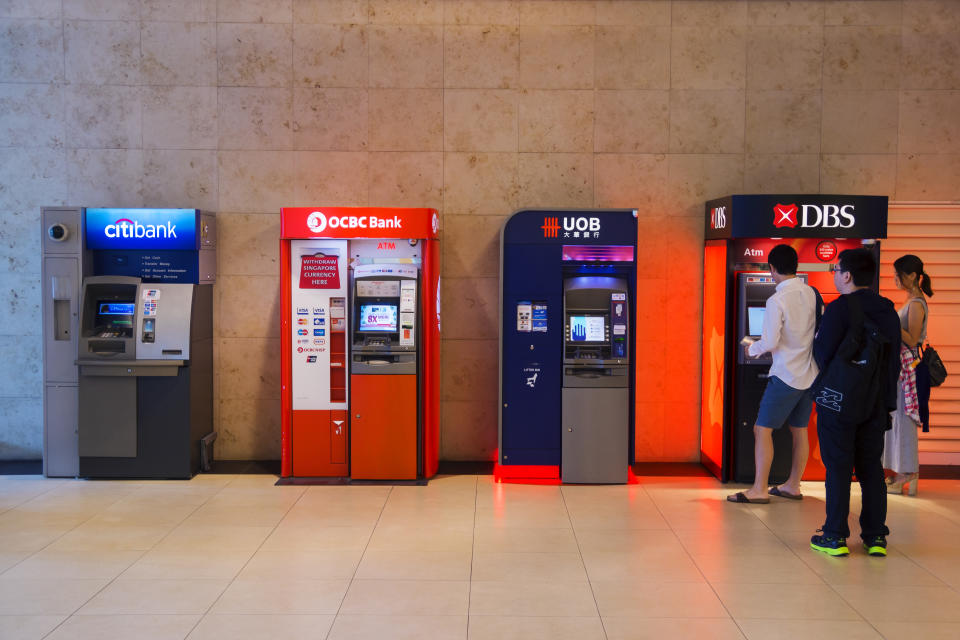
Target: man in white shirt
789	325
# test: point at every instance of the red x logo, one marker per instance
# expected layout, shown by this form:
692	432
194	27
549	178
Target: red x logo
785	215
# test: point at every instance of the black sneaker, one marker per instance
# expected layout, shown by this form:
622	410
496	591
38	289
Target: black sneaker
829	545
876	546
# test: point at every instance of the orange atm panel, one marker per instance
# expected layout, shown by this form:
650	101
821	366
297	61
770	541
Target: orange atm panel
316	432
383	429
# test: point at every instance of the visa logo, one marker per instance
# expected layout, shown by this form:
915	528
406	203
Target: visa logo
301	311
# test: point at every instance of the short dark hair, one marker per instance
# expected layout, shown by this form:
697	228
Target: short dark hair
784	259
860	264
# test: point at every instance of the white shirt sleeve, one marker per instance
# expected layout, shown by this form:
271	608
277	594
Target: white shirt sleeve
772	324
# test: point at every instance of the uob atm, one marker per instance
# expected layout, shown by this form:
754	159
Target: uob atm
568	290
360	328
740	230
128	341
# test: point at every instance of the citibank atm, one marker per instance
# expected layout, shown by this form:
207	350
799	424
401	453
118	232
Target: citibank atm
142	345
360	331
567	350
740	230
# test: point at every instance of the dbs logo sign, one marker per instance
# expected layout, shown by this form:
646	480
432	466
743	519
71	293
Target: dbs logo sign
828	216
718	218
785	215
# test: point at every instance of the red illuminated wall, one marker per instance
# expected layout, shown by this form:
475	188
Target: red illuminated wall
669	292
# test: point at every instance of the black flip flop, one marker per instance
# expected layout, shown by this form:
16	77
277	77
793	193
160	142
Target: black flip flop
741	498
776	491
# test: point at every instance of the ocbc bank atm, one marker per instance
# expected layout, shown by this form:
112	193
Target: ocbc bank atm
595	406
145	362
360	344
383	372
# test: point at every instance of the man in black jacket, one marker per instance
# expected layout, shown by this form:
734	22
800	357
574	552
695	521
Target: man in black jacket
844	446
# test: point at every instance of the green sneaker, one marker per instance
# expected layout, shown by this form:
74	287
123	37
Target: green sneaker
829	545
876	546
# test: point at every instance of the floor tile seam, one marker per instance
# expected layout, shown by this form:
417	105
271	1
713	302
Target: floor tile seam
133	562
583	563
260	546
693	560
473	544
831	587
65	533
363	553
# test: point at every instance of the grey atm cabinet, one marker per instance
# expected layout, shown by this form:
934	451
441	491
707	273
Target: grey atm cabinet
145	361
63	268
595	411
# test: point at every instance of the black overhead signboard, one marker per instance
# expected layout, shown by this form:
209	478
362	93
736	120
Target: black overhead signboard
796	216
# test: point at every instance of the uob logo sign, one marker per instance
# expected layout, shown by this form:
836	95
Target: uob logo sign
580	224
827	216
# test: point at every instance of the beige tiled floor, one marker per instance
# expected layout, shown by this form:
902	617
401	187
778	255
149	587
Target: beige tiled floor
236	558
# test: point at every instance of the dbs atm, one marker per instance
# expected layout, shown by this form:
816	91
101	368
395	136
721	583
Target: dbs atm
360	330
567	354
740	230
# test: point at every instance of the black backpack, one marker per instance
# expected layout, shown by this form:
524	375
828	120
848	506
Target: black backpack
853	386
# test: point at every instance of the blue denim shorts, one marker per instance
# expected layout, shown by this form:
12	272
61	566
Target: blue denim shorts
783	405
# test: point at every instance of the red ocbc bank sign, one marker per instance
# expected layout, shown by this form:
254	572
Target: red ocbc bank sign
358	222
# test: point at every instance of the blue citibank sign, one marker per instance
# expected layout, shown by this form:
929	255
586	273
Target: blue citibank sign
169	229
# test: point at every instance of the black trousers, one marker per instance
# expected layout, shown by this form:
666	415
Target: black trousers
845	448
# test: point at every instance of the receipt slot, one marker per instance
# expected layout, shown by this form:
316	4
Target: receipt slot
740	230
567	348
128	341
360	336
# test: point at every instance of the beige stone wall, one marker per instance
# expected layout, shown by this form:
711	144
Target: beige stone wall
475	108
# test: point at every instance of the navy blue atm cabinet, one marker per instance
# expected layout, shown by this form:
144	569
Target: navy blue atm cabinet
567	346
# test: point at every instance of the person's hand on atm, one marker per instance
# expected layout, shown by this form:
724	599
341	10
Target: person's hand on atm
747	341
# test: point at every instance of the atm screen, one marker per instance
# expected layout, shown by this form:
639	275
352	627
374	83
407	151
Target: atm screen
378	317
115	313
755	320
587	328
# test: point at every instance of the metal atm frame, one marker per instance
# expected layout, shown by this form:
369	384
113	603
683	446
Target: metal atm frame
359	404
739	232
549	257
